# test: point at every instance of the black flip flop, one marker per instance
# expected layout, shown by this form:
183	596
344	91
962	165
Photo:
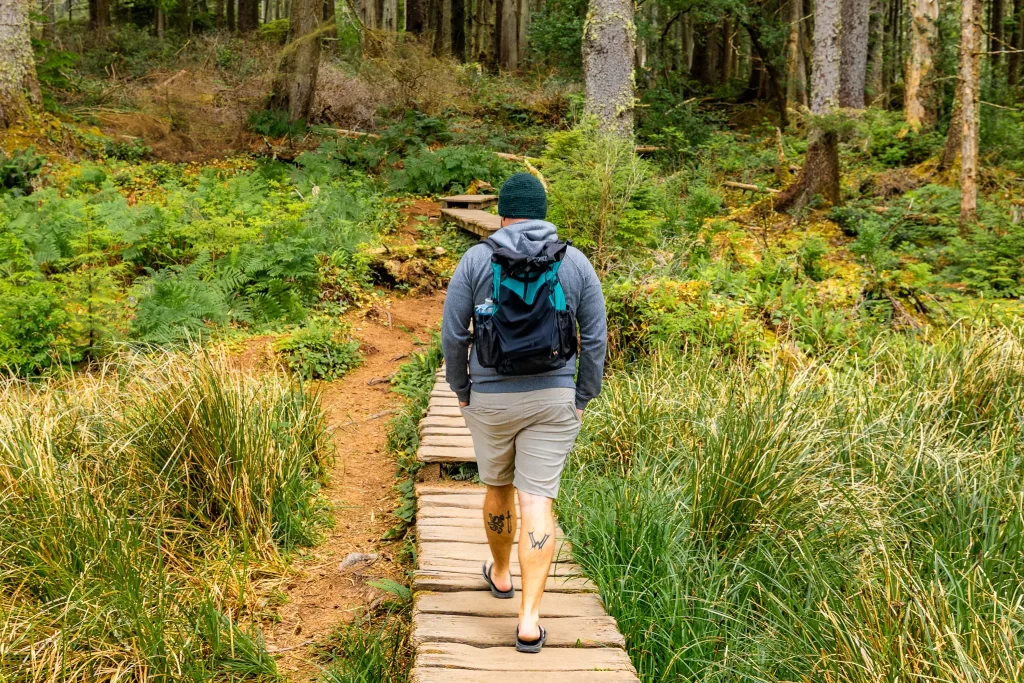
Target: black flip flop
503	595
531	646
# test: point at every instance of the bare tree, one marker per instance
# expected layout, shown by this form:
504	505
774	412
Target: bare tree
507	29
295	83
876	51
820	174
969	77
796	70
608	38
18	83
919	100
853	58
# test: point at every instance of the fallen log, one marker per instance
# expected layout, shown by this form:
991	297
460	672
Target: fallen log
749	188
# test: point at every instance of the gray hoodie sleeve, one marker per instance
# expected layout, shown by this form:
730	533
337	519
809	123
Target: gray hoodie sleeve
590	315
458	312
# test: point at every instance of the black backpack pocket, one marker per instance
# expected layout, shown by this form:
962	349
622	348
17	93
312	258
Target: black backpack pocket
567	342
486	342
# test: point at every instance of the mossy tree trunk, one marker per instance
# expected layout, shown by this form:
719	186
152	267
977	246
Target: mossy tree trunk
18	84
295	83
919	106
609	35
969	78
820	174
853	58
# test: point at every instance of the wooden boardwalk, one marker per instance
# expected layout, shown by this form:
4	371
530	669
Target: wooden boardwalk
461	633
467	211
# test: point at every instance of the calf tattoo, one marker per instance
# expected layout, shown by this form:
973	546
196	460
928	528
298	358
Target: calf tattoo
496	523
537	545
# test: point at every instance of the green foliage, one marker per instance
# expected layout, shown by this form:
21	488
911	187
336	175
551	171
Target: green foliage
275	123
130	150
595	191
449	169
137	505
811	253
373	650
556	35
18	169
892	142
758	521
321	350
275	31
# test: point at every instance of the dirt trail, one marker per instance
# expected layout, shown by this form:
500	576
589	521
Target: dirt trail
320	597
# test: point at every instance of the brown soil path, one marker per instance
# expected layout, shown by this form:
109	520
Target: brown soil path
319	596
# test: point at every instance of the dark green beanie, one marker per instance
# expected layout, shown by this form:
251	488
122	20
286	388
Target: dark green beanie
522	196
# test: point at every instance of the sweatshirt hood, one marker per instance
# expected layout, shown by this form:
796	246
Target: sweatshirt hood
526	237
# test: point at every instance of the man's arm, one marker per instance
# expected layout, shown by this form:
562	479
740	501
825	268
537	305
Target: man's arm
458	311
590	315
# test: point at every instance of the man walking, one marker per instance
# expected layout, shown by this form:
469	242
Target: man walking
521	395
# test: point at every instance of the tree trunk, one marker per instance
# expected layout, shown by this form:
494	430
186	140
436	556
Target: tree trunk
853	53
389	15
295	82
414	16
443	33
876	46
608	37
459	29
486	23
508	35
996	34
522	29
796	75
970	75
820	174
50	18
229	11
99	14
919	107
1016	61
18	84
773	76
248	16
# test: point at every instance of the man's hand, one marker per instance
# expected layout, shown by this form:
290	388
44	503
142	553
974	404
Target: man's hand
579	414
463	404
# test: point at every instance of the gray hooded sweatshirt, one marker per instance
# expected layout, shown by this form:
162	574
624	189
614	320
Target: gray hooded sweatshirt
471	285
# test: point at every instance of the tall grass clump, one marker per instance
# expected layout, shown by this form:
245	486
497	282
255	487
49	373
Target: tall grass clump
857	519
140	507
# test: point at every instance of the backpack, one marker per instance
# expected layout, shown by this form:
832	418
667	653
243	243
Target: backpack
526	328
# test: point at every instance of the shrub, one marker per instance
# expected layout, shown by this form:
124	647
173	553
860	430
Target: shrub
275	123
594	178
138	506
449	169
320	351
18	169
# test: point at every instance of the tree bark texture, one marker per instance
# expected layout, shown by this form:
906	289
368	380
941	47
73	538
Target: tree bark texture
854	52
99	14
997	10
295	83
796	70
970	75
820	174
229	10
508	34
368	14
389	15
523	29
443	30
248	16
18	84
415	16
484	23
876	46
459	29
1016	60
919	106
608	38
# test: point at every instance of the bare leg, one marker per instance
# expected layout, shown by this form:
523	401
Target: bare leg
536	547
500	523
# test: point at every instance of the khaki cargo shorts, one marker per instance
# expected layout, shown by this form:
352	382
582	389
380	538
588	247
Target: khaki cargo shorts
523	438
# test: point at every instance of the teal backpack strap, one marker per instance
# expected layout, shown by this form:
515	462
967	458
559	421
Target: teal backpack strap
495	273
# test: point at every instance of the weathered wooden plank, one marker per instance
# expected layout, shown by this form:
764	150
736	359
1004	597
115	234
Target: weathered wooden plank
472	567
449	582
599	631
475	221
445	454
442	421
476	552
458	656
443	401
471	533
483	604
445	488
445	431
441	675
444	411
467	201
457	441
